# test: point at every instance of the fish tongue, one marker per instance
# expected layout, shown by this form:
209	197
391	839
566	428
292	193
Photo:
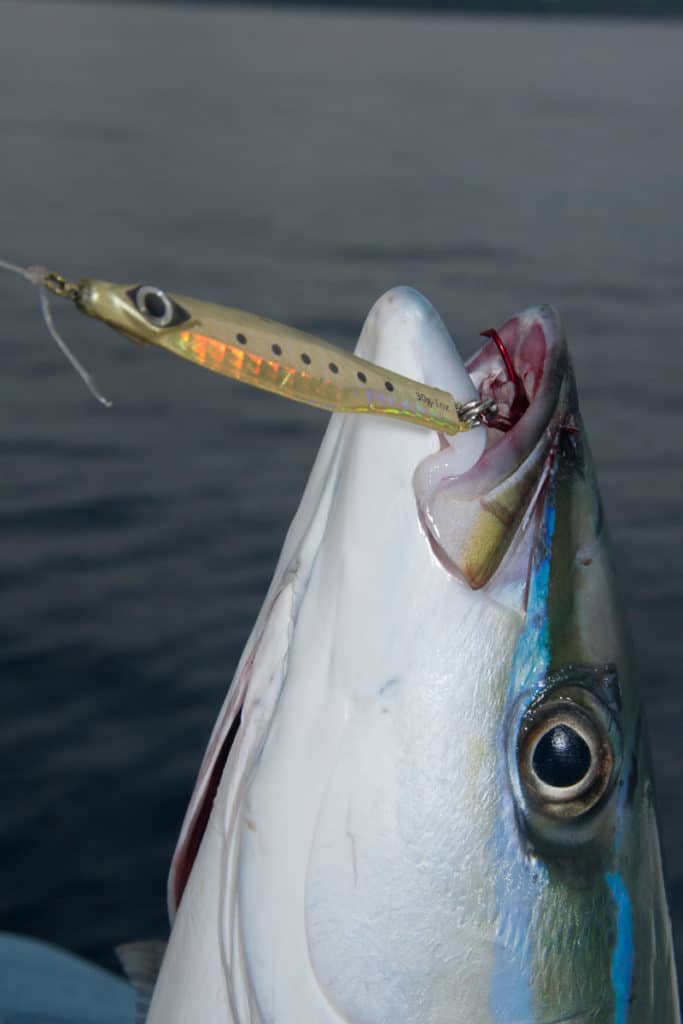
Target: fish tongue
403	331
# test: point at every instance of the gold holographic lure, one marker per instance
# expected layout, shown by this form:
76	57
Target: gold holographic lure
257	351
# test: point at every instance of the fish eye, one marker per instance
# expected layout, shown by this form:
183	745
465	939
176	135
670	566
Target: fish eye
157	307
565	755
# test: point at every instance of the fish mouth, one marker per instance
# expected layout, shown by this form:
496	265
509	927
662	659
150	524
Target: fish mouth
477	520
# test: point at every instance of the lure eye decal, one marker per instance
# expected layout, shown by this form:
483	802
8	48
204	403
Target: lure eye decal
567	754
157	307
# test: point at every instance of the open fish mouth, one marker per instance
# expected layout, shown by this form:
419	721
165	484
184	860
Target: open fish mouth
476	519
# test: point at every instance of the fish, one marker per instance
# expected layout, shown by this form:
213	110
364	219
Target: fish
428	796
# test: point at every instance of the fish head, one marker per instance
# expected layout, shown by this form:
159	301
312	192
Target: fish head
428	798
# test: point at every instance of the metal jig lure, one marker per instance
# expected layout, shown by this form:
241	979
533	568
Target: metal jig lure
261	352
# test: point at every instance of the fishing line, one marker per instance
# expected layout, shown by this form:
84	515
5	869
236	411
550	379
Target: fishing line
78	367
37	276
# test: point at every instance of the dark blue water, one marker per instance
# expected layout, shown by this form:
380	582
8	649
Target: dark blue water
297	164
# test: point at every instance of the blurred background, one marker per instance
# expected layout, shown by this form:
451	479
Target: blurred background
296	162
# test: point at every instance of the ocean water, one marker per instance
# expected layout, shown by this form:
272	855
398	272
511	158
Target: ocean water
297	164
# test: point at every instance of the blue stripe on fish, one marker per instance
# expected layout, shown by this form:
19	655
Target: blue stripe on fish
511	996
622	957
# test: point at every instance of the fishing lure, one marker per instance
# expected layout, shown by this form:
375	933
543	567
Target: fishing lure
256	351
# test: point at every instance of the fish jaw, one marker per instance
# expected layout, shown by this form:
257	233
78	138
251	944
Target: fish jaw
369	856
365	586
